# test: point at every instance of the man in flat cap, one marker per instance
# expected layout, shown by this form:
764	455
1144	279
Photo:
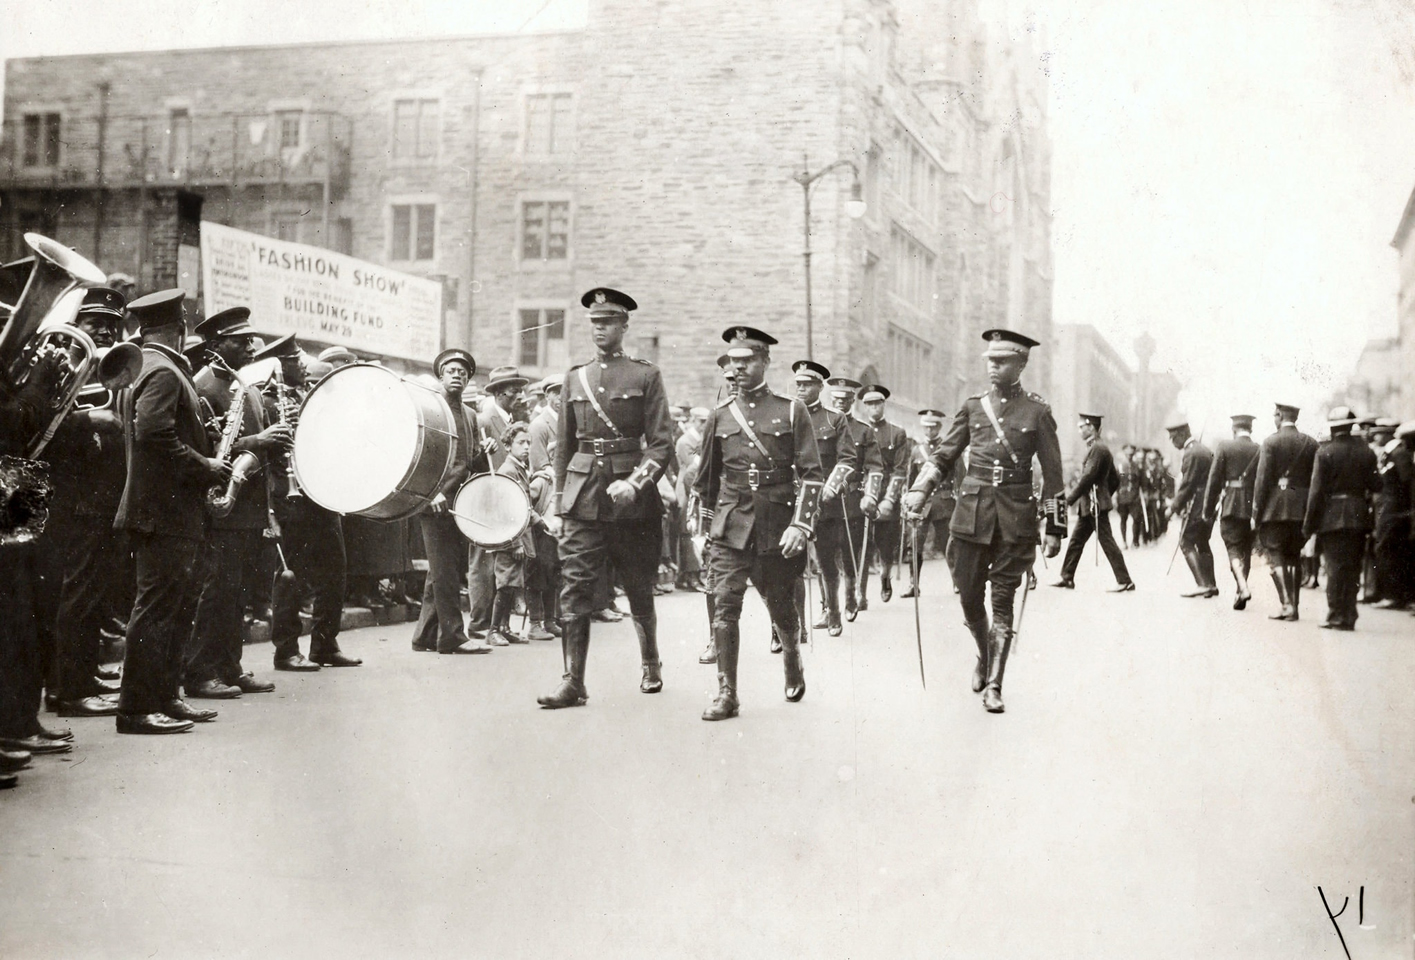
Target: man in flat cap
861	492
1092	497
1195	462
163	512
894	451
1344	479
615	441
312	537
994	525
1285	462
1395	553
938	511
756	446
213	655
1231	480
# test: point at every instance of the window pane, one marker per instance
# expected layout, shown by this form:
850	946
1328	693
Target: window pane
558	233
555	324
289	129
51	140
427	224
560	132
428	122
32	122
404	127
532	230
530	338
402	232
287	227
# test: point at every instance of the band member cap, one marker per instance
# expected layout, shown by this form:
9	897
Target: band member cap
454	353
843	384
808	370
157	310
724	360
1176	425
193	347
743	342
1008	343
552	384
874	393
1094	419
103	300
283	347
930	417
1244	420
505	377
608	304
235	322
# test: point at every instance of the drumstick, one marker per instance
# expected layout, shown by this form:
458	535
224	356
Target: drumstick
471	519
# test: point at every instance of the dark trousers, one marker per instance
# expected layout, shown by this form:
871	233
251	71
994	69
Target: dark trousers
1238	536
833	556
543	588
1394	560
481	586
440	622
587	547
314	547
94	559
938	526
1343	552
1194	544
883	547
19	644
1132	522
1085	526
1002	563
773	575
168	585
1282	542
213	652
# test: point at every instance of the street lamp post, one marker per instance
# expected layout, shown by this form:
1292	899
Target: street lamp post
854	207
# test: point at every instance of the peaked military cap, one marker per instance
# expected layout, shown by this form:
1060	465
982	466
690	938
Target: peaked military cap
874	393
1287	409
723	361
809	370
930	416
1094	419
608	304
843	385
1177	425
235	322
103	300
1008	343
192	348
283	347
454	353
1244	420
746	341
160	309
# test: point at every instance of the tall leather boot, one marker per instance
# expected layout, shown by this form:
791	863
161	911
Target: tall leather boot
832	615
791	663
980	632
709	654
1294	587
997	663
1279	575
864	601
1191	557
1240	581
728	640
1206	567
803	636
852	606
571	692
647	630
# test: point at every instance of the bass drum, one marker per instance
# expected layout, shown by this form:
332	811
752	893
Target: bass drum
492	511
373	443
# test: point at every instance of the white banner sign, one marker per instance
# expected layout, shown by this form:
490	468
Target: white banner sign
318	294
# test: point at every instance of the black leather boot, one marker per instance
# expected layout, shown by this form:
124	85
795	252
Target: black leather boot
1240	582
1191	557
1279	575
728	640
647	630
801	633
1000	647
1206	567
886	587
791	663
571	692
709	654
1294	587
980	636
775	639
852	609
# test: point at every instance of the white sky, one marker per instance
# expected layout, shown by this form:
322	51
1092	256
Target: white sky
1226	175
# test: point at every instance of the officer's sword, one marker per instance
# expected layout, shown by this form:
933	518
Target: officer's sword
860	572
850	543
1022	608
918	631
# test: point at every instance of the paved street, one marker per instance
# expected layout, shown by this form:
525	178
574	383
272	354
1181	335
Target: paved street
1171	779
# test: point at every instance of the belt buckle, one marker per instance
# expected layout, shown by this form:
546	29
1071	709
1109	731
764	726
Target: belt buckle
1282	483
598	447
997	474
753	477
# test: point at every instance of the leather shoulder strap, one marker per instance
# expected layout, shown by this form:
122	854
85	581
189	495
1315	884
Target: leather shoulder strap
751	434
594	402
997	428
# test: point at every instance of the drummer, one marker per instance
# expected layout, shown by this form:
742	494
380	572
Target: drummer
440	625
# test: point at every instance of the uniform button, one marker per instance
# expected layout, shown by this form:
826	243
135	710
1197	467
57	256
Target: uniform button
751	423
601	389
604	366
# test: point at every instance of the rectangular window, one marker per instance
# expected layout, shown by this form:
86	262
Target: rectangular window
916	175
545	229
909	360
179	139
414	234
912	271
542	337
416	128
286	226
41	140
549	122
288	122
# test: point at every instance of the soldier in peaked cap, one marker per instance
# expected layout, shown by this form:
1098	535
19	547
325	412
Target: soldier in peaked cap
994	525
861	492
1344	478
1195	464
1092	496
894	451
756	446
615	441
842	460
1231	479
1280	504
938	511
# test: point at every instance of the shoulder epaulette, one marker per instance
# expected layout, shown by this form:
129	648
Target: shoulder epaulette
1037	397
647	363
723	403
978	396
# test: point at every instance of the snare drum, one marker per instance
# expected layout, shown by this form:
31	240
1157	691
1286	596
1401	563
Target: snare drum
492	511
373	443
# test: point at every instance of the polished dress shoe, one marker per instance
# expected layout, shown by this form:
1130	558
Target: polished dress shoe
467	647
106	672
87	707
35	744
214	690
607	615
652	680
424	648
1122	588
106	686
1065	584
886	589
336	659
249	684
536	631
1337	625
478	631
709	654
151	723
833	627
62	733
296	663
1241	602
909	594
508	635
12	760
495	638
182	710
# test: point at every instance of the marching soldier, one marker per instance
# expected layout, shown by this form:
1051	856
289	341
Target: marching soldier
704	512
756	445
1127	498
1280	504
1344	477
994	526
1393	541
615	441
938	512
861	493
1231	478
1194	468
1092	495
894	451
841	460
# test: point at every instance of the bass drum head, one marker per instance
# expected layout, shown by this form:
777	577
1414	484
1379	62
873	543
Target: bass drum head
491	510
358	433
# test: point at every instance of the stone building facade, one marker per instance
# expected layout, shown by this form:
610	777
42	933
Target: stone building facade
654	150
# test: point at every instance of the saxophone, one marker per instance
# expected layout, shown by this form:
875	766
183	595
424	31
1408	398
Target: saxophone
287	402
221	501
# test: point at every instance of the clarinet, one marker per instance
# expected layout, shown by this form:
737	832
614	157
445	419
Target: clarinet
285	402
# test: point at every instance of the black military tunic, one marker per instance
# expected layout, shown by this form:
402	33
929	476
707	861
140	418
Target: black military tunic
1231	479
1344	477
894	449
1093	493
845	462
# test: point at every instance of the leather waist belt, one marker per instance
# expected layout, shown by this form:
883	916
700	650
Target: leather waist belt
1346	496
1236	484
755	478
600	447
1284	484
1000	476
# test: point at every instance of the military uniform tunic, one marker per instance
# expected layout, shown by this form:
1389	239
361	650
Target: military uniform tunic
842	456
895	449
1395	572
1344	478
1093	492
1231	480
1280	493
